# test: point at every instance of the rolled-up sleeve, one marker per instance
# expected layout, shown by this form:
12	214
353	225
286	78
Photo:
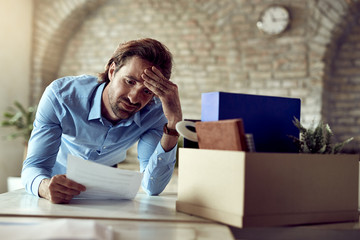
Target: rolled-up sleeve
156	164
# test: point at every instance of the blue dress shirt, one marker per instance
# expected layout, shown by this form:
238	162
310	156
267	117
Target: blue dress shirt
69	121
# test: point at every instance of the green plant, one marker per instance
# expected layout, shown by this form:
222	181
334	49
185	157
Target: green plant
21	119
317	140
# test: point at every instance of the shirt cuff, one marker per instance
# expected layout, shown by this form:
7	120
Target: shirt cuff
36	183
159	158
162	157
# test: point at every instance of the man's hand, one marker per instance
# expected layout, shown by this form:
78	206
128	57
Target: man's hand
59	189
168	93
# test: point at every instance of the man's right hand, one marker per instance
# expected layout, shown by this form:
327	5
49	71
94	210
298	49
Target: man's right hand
59	189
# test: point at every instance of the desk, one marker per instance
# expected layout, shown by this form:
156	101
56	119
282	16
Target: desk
143	207
145	217
154	217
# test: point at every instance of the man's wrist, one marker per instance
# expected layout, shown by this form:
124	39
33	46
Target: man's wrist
170	131
43	187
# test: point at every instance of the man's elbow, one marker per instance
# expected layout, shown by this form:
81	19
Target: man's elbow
152	193
152	189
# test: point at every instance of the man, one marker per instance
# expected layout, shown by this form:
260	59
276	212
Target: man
132	101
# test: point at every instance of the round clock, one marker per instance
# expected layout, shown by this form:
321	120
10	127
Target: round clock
274	20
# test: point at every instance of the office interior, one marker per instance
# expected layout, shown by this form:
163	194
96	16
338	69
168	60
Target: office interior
216	45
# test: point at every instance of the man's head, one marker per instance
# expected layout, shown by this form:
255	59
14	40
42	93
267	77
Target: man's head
125	92
147	49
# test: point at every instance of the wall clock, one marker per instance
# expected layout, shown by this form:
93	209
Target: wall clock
274	20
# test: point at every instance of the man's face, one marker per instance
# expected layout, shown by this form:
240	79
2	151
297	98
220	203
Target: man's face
126	94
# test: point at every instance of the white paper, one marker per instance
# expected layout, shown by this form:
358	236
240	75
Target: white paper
103	182
57	229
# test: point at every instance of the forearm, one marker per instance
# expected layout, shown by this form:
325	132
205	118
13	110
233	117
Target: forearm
31	178
168	142
157	170
43	145
38	164
155	183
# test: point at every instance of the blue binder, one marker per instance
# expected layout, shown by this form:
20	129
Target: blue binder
268	118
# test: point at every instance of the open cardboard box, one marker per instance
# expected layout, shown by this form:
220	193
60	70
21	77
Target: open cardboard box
268	189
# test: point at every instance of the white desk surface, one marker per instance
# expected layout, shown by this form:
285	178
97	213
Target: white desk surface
145	217
143	207
154	217
139	230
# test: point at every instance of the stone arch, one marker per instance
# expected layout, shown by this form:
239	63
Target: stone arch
341	78
51	34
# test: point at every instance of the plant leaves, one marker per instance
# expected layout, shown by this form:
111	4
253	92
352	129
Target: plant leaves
21	119
317	140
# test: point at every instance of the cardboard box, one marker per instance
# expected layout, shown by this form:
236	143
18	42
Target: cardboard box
268	189
267	118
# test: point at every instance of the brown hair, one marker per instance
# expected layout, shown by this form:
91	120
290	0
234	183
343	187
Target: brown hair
148	49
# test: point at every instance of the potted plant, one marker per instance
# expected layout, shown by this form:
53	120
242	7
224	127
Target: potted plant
317	140
21	120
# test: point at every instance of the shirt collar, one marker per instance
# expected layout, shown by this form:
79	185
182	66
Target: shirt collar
95	105
95	109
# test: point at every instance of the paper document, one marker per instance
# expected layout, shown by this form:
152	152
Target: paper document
103	182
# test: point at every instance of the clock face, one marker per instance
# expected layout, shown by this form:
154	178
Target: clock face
274	20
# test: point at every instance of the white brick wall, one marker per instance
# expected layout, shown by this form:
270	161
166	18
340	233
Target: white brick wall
216	47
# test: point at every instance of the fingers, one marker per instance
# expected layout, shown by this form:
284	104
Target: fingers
157	83
62	190
167	91
154	74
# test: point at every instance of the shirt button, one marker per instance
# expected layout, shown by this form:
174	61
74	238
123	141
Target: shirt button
104	147
156	152
159	158
151	178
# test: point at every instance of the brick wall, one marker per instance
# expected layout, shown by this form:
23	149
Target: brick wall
343	85
216	47
55	22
